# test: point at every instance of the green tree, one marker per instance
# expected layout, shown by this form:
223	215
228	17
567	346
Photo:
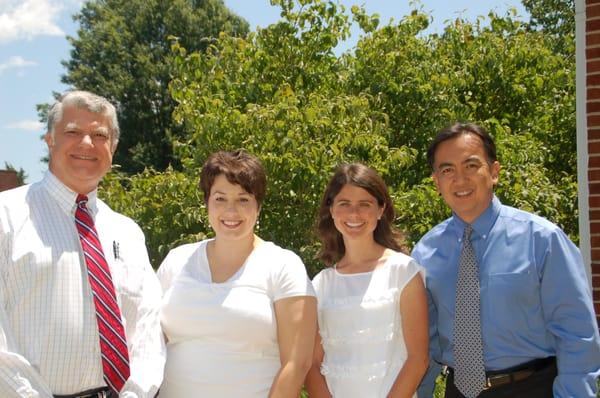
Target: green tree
122	51
284	95
280	95
557	19
500	74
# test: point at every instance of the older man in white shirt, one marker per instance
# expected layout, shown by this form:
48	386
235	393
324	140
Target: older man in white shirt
78	298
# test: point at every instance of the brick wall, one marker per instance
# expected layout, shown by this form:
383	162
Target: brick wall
8	179
592	55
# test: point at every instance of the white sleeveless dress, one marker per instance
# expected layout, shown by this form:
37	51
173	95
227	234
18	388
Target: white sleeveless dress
361	327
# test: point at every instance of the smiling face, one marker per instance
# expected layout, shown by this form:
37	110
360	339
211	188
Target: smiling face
464	176
355	212
80	149
232	212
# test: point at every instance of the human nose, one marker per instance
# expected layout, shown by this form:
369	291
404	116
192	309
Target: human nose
86	139
354	209
231	206
460	175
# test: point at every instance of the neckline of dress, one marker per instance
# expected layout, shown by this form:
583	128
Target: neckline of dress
385	263
236	274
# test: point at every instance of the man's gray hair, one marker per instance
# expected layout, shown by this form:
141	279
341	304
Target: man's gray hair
90	102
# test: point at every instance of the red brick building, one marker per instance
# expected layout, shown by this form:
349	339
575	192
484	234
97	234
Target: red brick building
587	18
8	179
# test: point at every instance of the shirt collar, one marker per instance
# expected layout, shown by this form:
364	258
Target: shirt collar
65	197
484	223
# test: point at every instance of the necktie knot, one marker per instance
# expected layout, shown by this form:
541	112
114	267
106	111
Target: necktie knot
81	201
468	232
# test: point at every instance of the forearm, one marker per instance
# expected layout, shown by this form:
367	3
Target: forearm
409	377
147	366
19	379
147	347
289	379
570	317
315	383
576	385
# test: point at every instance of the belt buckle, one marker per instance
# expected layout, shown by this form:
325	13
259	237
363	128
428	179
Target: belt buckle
497	380
445	370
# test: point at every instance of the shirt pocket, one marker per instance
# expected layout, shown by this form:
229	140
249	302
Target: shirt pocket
513	297
127	279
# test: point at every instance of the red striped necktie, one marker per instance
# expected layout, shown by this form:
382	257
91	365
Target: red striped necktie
113	345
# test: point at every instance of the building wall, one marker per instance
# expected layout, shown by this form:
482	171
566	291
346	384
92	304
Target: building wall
8	179
587	14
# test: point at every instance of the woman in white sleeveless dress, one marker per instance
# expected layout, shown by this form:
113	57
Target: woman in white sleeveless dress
239	313
372	305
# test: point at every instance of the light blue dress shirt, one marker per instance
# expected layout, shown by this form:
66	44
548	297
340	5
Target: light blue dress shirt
535	297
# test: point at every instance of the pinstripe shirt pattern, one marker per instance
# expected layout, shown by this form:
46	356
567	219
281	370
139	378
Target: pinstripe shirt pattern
48	332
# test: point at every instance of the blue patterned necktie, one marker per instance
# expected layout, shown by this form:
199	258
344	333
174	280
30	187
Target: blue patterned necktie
469	368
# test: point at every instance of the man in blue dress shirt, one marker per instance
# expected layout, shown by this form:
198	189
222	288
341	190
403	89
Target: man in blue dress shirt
539	331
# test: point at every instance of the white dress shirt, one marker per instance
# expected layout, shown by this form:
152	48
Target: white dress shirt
48	330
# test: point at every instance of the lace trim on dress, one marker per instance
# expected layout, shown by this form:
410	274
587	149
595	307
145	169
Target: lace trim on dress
375	370
387	297
373	335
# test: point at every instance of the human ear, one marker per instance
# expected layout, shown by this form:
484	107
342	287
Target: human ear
495	171
49	140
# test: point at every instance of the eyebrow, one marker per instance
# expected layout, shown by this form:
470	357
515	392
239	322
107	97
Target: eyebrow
75	126
225	193
360	201
445	164
472	158
72	126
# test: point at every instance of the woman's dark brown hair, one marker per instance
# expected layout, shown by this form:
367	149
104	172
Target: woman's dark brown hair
359	175
239	167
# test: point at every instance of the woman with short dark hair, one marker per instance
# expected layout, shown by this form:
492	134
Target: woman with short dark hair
238	312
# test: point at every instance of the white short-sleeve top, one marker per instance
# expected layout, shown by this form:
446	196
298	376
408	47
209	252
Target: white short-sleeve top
222	337
361	327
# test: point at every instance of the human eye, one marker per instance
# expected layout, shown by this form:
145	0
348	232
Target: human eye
244	199
446	170
99	135
365	205
219	199
472	166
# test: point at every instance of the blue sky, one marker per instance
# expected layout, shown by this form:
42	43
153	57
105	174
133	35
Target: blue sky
33	44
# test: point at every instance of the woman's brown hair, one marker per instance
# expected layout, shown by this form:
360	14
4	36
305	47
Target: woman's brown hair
357	174
239	167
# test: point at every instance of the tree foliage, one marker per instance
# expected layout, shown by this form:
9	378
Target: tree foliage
556	18
122	52
283	94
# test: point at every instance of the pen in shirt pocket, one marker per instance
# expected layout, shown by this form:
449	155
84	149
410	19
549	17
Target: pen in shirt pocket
116	250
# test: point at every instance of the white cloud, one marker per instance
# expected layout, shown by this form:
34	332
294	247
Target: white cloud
29	18
28	125
15	62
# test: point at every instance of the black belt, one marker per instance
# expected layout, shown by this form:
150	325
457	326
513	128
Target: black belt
496	378
103	392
